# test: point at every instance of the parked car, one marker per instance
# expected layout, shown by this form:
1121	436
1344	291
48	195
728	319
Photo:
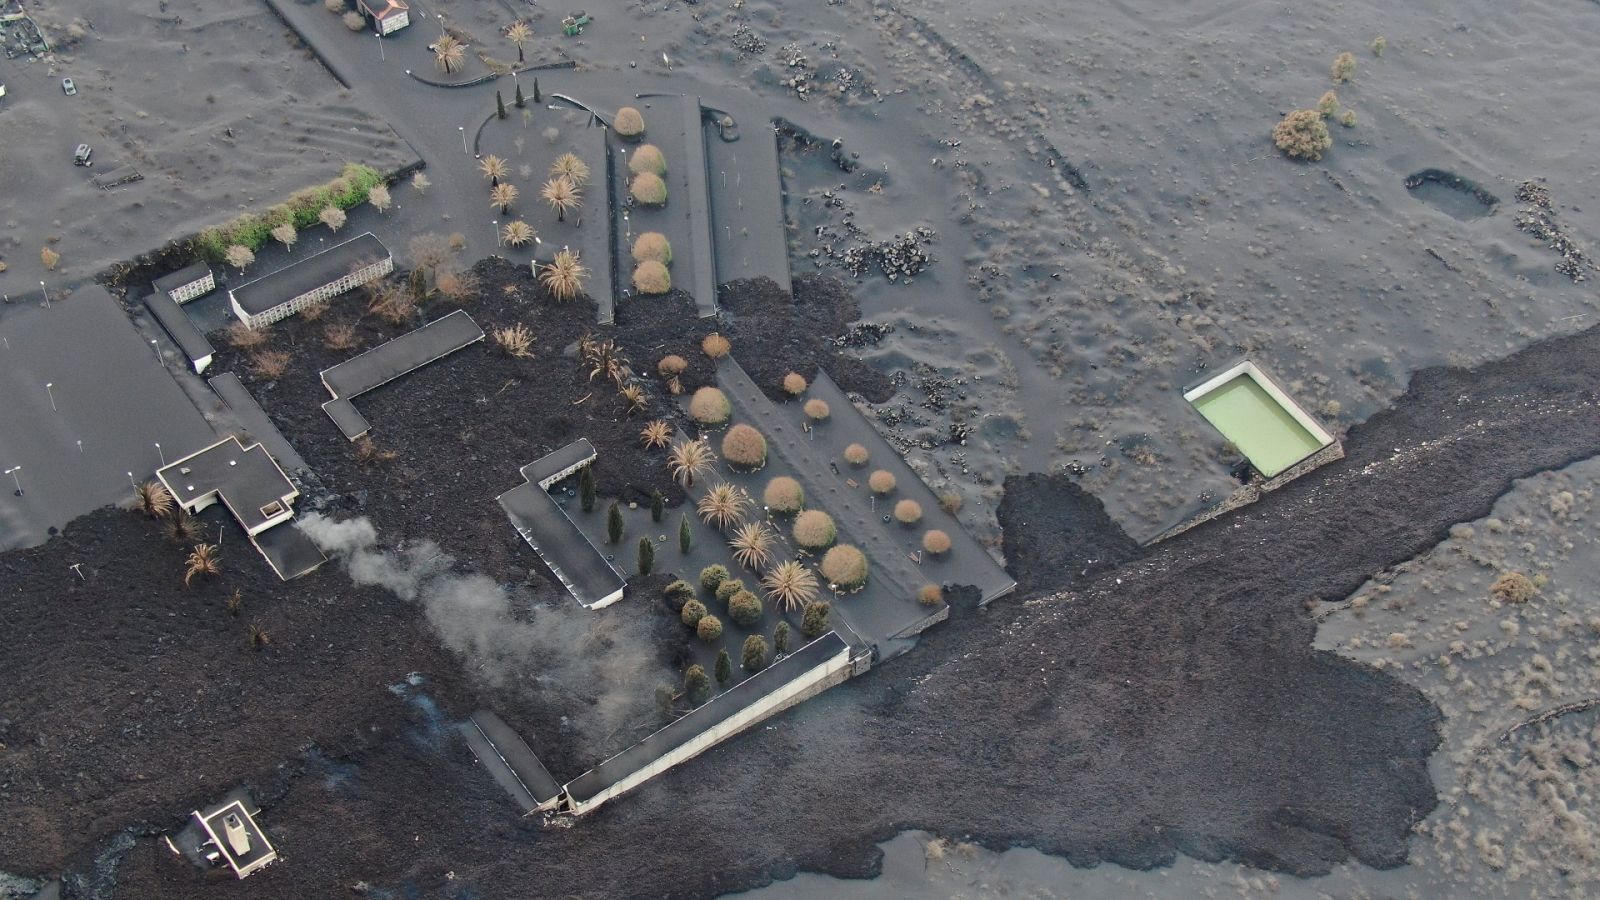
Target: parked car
67	87
80	157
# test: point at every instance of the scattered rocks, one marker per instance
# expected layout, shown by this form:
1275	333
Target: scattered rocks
1538	218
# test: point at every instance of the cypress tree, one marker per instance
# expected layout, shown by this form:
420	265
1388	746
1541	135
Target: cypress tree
499	104
696	686
685	539
586	489
780	638
658	505
536	91
614	522
755	653
519	101
647	555
724	666
815	620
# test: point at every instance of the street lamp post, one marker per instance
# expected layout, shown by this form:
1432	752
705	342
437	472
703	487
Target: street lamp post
15	480
46	295
161	454
495	224
157	348
50	388
463	130
381	57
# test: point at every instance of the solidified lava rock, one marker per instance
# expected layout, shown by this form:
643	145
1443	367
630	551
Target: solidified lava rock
774	334
1056	533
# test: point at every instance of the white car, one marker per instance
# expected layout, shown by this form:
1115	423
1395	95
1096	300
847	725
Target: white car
67	87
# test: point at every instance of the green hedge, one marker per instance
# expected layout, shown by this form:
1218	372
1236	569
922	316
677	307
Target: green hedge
302	209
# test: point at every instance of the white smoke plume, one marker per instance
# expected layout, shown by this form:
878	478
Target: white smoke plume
605	658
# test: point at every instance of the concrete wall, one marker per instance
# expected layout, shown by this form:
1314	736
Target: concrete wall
835	670
1250	493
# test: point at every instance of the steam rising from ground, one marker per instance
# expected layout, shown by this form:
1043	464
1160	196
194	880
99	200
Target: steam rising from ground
603	659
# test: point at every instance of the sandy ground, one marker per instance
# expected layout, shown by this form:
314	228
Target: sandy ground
216	105
1195	242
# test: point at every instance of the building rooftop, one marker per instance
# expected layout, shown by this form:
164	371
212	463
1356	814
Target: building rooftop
183	276
309	274
178	326
388	361
247	479
225	834
704	717
508	758
579	564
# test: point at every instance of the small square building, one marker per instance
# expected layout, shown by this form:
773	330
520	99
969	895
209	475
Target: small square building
321	276
246	479
225	835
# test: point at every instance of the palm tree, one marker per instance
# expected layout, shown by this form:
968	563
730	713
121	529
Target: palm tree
752	545
203	560
689	459
153	498
790	585
605	358
657	434
516	233
181	526
570	167
562	195
564	276
723	505
493	168
635	396
449	54
503	196
519	32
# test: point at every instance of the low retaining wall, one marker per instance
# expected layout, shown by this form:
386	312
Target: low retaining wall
1250	493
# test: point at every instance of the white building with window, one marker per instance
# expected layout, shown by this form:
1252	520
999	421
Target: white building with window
322	276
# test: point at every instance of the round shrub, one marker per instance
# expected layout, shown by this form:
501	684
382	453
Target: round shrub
648	158
784	495
936	542
744	609
651	277
817	410
794	384
713	575
814	530
709	628
930	595
652	245
1302	135
744	446
709	406
881	481
692	613
815	620
727	589
678	593
754	653
845	566
856	455
715	346
650	190
672	364
629	123
908	512
1514	587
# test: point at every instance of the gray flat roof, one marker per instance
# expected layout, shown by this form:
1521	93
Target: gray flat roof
541	521
289	551
576	453
182	277
309	273
255	421
176	323
388	361
704	717
246	478
513	751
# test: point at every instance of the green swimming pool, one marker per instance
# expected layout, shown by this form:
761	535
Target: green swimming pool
1263	429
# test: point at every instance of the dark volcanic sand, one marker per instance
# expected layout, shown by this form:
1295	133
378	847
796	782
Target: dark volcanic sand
1174	704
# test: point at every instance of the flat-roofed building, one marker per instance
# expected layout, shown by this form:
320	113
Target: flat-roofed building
187	283
578	564
226	834
321	276
246	479
386	16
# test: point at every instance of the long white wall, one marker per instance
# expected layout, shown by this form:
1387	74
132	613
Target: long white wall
819	678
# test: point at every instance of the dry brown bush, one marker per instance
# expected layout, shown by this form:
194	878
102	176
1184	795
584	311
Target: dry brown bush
744	446
930	595
845	566
856	455
794	384
243	337
629	123
908	512
339	336
814	530
817	409
936	542
515	340
881	481
715	346
709	406
783	495
672	364
1302	135
269	364
652	278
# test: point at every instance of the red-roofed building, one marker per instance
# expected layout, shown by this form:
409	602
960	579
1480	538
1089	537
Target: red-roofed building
387	16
